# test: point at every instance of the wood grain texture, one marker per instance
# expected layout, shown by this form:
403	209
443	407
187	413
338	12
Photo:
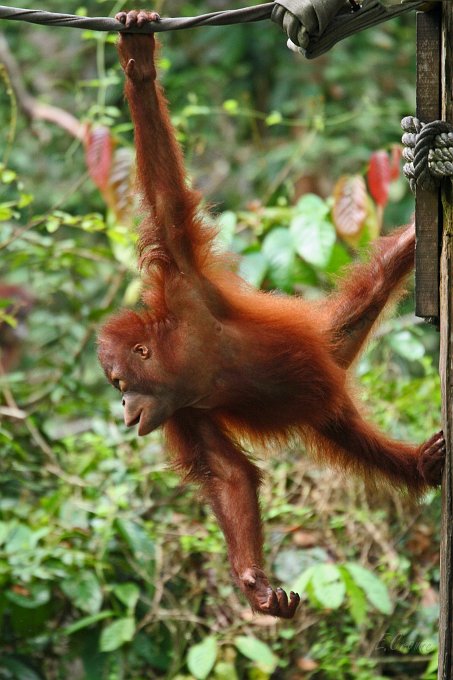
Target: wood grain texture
445	671
427	218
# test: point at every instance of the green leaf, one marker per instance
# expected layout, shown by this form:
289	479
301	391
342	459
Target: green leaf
18	669
38	595
328	586
257	651
201	657
432	666
302	581
231	106
116	634
8	176
253	268
22	539
375	591
227	226
274	118
314	240
313	207
87	621
25	200
278	248
406	345
84	590
53	224
137	539
356	597
339	258
225	671
6	212
128	593
4	531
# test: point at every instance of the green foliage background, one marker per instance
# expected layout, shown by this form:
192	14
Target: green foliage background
108	566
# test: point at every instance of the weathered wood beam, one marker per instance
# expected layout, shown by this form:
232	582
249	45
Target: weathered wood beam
446	366
427	203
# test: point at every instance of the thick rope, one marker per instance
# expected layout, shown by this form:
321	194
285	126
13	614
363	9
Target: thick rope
312	26
428	150
315	26
234	16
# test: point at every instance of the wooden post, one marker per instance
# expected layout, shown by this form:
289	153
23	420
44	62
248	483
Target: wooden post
446	366
427	203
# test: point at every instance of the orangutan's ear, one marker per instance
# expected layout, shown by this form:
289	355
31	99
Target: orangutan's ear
143	350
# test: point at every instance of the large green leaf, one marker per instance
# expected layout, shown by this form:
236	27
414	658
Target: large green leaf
278	248
84	590
227	226
406	345
201	657
116	634
328	586
374	589
225	671
257	651
138	540
314	241
128	593
356	596
252	268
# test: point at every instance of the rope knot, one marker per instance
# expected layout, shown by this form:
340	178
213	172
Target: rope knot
428	152
303	20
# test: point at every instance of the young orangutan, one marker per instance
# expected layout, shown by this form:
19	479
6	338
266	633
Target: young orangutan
220	364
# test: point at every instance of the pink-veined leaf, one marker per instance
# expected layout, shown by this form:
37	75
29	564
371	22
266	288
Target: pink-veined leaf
98	155
349	210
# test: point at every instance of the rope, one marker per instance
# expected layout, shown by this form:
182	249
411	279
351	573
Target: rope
428	152
315	26
312	26
223	18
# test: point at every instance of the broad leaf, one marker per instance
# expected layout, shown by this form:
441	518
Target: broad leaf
227	226
84	590
128	593
116	634
356	597
257	651
278	248
406	345
137	539
328	586
349	210
313	239
375	591
253	268
201	657
379	177
98	155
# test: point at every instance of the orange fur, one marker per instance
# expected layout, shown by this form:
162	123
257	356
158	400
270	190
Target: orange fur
224	363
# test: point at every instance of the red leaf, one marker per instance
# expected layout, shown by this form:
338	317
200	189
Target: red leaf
396	153
379	176
98	155
350	207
